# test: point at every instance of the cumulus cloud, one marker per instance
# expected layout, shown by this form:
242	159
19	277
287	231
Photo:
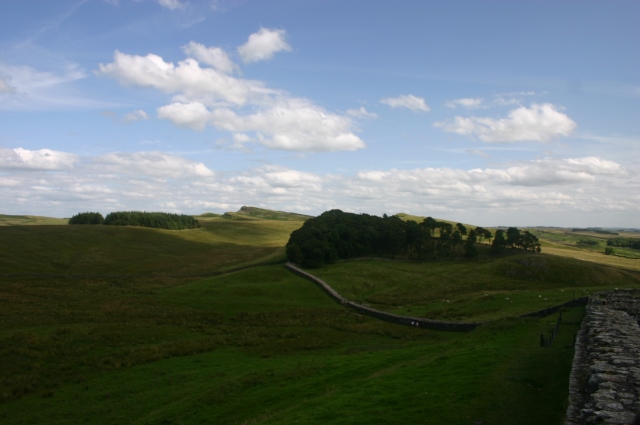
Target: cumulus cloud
192	82
213	56
134	116
550	171
361	113
43	159
290	124
193	115
539	123
467	102
409	101
263	45
213	96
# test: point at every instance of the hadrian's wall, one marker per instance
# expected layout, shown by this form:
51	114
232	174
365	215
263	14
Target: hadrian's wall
438	325
605	379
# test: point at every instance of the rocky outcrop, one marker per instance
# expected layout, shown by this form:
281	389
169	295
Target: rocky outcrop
605	378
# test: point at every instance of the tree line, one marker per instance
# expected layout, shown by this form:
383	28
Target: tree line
337	235
157	220
624	242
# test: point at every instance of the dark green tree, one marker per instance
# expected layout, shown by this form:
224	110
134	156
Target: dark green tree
470	248
87	218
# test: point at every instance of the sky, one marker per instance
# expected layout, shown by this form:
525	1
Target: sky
513	113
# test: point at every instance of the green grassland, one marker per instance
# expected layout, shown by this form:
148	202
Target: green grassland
564	242
472	290
111	325
248	213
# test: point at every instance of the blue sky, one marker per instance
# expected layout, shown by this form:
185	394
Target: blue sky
484	112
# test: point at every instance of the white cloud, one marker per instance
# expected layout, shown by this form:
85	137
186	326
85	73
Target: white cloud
134	116
204	96
193	115
43	159
467	102
213	56
293	124
539	123
171	4
160	181
263	45
409	101
154	164
549	171
192	82
361	113
290	124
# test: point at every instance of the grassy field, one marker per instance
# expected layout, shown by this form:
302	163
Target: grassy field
476	290
111	325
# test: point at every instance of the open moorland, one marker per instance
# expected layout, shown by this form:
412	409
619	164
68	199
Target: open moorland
107	324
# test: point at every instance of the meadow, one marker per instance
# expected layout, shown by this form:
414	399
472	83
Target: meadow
101	324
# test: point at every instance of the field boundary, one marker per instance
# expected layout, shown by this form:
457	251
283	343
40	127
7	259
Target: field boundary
420	322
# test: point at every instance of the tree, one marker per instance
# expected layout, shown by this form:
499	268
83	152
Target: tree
499	242
431	224
87	218
513	237
470	248
462	229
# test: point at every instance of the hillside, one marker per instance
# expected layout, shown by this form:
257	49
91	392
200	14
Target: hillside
102	324
30	220
264	214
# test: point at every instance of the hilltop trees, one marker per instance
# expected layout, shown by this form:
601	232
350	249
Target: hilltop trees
156	220
515	239
87	218
335	235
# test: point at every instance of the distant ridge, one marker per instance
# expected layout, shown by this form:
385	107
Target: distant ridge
254	213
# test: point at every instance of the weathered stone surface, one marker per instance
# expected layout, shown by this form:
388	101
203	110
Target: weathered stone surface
604	386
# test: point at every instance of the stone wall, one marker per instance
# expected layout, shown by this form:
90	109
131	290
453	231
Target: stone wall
605	377
438	325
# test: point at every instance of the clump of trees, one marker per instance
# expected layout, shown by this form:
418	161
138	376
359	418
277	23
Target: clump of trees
157	220
624	242
337	235
513	238
87	218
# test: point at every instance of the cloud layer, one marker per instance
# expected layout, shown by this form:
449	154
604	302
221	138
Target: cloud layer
60	184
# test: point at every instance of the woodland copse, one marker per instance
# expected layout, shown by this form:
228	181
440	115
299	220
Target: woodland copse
156	220
339	235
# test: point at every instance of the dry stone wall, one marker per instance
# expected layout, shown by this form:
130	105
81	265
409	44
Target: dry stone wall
604	385
438	325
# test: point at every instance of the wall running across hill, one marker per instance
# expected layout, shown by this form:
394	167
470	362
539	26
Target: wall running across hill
438	325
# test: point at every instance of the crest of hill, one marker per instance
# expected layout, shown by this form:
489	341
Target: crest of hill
27	220
254	213
419	219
